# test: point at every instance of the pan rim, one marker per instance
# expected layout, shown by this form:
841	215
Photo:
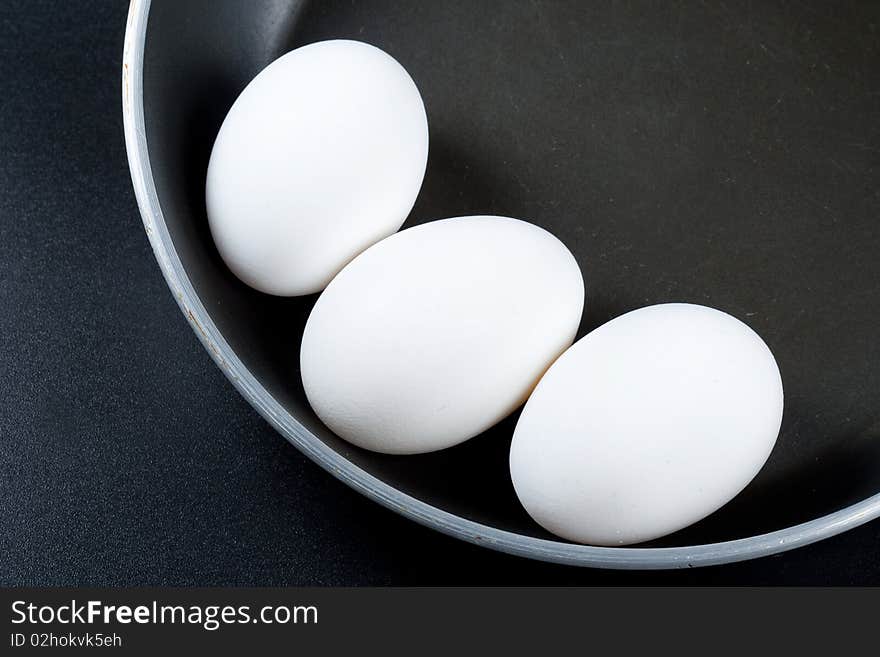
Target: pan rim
623	558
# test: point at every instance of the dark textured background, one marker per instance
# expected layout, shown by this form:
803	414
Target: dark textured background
126	456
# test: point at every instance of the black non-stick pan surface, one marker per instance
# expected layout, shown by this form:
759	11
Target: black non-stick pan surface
720	153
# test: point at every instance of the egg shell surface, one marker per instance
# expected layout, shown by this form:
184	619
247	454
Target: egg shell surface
646	425
322	155
438	332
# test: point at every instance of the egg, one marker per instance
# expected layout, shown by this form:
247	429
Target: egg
438	332
321	155
646	425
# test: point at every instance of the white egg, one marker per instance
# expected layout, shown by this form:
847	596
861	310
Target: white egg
646	425
321	155
436	333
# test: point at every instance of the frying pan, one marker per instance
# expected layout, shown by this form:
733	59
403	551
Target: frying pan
718	153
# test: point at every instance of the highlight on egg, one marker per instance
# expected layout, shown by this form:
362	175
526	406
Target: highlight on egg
436	333
646	425
322	155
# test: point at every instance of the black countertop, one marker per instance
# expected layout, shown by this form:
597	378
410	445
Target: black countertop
126	458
